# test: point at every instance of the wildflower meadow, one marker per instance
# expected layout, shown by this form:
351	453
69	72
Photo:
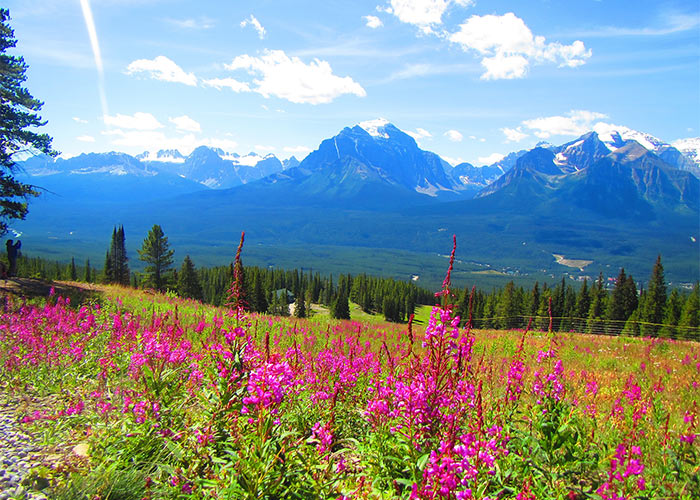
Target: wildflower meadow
150	396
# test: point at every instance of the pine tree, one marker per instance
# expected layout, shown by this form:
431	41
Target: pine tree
508	307
116	268
622	303
535	299
72	271
107	271
258	300
88	272
672	314
690	315
18	116
300	306
188	284
655	301
598	305
340	308
158	256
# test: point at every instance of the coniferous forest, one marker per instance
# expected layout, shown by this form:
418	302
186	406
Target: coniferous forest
614	306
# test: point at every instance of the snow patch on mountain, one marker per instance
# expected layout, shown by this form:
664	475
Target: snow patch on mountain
611	134
689	147
164	156
373	127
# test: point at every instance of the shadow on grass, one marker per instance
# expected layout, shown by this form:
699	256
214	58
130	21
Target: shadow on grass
32	288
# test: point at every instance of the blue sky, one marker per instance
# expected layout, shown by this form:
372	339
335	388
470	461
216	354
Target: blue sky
470	79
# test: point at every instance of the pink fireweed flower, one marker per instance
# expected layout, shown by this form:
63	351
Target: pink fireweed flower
323	434
267	386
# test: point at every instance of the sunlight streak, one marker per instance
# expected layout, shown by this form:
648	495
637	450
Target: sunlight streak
94	43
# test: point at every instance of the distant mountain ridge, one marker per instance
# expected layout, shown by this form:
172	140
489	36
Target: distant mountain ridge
629	181
613	201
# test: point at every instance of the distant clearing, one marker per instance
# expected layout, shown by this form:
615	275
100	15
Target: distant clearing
491	272
578	264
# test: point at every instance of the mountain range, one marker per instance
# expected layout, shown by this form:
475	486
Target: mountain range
611	198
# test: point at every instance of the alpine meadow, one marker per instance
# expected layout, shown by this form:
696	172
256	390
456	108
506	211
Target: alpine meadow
388	249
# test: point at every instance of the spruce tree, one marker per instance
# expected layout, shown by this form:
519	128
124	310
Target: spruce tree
73	271
107	271
18	117
690	315
116	268
615	313
158	256
655	301
188	284
300	306
88	272
341	307
535	299
672	314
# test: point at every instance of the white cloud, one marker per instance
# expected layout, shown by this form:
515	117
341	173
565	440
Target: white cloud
259	147
507	46
452	161
155	140
292	79
576	122
454	135
419	134
186	124
255	24
373	22
138	121
503	67
230	83
85	138
162	68
490	159
514	134
79	120
201	23
422	13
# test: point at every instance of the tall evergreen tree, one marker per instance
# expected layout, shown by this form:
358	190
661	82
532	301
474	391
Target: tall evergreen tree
158	256
300	306
73	271
598	305
690	315
116	268
107	271
88	272
188	284
655	300
672	314
534	299
509	308
18	117
340	308
623	302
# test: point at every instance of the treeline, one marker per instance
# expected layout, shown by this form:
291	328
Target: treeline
265	290
592	308
627	308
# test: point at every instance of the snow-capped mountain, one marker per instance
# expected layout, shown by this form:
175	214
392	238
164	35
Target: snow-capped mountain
214	167
628	180
371	162
616	136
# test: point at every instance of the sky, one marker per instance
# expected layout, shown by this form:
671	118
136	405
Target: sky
470	79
